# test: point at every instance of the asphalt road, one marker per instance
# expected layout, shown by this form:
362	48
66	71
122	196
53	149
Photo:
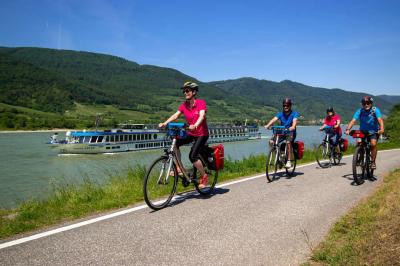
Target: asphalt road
247	223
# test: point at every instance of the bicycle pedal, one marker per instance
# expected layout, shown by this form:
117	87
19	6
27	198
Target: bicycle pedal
185	182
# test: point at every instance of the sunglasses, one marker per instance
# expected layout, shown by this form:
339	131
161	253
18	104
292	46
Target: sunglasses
366	103
286	105
186	91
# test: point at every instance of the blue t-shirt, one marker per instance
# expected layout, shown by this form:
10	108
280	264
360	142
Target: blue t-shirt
287	120
368	119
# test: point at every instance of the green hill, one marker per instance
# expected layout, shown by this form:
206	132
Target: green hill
311	102
70	87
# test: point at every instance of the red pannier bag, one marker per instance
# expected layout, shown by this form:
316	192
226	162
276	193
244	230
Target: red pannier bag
357	134
344	145
219	156
299	149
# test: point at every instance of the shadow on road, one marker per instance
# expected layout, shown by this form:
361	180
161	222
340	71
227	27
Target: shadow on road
283	174
195	195
353	183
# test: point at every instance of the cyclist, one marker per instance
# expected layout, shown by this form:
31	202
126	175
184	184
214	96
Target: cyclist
370	120
288	119
332	119
194	111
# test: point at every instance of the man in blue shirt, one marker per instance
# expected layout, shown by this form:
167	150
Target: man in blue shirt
370	120
288	119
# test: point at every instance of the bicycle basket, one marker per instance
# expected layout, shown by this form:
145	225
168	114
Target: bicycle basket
177	130
357	134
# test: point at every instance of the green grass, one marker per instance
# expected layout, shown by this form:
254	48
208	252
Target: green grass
70	202
367	235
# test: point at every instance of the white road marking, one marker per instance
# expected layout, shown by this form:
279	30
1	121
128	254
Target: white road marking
119	213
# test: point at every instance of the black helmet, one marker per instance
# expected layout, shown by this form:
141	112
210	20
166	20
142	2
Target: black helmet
190	85
330	109
287	101
367	99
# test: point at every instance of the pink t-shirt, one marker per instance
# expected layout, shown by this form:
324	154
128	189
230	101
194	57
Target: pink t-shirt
331	121
193	114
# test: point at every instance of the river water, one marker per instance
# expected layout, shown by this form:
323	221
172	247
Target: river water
29	168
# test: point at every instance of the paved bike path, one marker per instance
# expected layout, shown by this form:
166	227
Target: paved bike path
248	223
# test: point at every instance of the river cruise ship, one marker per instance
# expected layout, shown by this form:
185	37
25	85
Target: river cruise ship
135	137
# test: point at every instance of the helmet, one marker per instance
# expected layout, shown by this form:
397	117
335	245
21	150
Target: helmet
190	85
367	99
330	109
287	101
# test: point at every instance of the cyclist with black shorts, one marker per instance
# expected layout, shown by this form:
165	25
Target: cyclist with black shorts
194	111
370	118
288	119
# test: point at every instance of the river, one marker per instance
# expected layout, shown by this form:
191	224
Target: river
29	168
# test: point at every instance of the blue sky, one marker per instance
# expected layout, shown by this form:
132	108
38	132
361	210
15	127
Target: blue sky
352	45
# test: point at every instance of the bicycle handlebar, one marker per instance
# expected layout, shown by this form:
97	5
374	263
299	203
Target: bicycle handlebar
280	130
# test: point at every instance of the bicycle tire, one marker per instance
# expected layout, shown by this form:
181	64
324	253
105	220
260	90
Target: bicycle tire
323	156
271	164
369	171
290	171
212	178
155	186
358	165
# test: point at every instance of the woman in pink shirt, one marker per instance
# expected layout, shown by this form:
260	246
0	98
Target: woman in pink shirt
333	120
194	111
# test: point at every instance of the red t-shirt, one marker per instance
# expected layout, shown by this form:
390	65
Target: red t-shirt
193	114
331	121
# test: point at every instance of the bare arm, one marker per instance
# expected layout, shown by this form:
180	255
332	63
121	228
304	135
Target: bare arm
172	118
349	126
381	126
202	115
271	122
294	124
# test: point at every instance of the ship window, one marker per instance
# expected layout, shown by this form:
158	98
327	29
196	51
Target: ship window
134	137
107	138
141	137
130	137
121	137
100	139
93	139
155	136
125	137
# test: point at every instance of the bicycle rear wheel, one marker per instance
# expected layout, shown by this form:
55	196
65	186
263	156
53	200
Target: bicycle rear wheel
323	156
271	166
212	179
160	183
359	165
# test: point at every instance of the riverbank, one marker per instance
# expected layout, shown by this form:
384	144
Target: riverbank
70	202
36	131
369	234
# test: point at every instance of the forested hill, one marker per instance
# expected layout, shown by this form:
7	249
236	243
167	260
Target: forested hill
309	101
61	88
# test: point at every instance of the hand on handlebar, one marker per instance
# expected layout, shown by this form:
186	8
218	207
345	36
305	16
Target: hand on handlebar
161	125
347	132
381	131
291	128
192	127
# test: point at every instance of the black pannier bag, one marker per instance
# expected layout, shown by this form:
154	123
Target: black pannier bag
208	155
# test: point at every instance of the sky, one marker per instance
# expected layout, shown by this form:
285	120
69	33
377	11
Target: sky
352	45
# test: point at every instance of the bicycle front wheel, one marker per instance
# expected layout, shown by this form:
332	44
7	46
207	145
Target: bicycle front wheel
359	165
271	166
323	156
160	183
212	179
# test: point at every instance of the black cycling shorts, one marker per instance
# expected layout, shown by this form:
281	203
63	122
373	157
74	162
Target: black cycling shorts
198	144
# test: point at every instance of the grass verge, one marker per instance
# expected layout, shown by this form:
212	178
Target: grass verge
369	234
70	202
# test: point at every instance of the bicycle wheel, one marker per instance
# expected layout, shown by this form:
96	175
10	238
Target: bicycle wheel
160	183
337	157
212	178
271	166
359	165
323	155
293	161
369	171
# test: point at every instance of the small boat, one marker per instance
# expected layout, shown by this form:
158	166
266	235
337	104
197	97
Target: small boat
135	137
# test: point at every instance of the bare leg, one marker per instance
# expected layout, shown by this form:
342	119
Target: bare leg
199	167
374	149
289	148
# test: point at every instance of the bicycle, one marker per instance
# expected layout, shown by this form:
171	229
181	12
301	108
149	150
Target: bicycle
362	156
162	176
326	153
279	154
